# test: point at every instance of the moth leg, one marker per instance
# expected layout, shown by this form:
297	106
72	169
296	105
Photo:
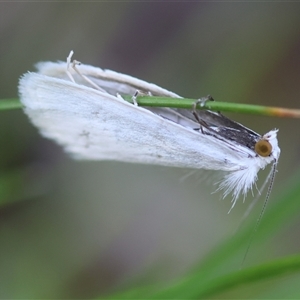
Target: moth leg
68	66
75	63
133	98
202	102
139	93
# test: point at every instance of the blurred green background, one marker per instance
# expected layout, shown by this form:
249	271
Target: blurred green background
71	229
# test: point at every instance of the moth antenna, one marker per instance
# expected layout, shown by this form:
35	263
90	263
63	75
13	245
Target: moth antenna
272	177
255	200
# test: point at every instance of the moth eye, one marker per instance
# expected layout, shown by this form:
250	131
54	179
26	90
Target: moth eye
263	148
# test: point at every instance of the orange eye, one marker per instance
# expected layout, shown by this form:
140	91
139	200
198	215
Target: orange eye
263	148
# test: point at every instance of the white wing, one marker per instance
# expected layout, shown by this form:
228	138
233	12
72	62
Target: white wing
98	125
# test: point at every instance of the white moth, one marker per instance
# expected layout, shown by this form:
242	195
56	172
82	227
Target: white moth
85	113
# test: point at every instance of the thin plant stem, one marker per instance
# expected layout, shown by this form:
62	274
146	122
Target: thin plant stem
151	101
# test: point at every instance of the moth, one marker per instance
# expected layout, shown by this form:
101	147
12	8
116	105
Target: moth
81	108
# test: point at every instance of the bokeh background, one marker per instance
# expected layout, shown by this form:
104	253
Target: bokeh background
71	229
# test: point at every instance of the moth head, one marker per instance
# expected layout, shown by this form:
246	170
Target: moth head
263	147
267	145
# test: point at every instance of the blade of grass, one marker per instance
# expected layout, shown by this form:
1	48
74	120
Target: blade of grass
274	218
150	101
9	104
153	101
18	184
221	284
205	280
265	271
270	270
